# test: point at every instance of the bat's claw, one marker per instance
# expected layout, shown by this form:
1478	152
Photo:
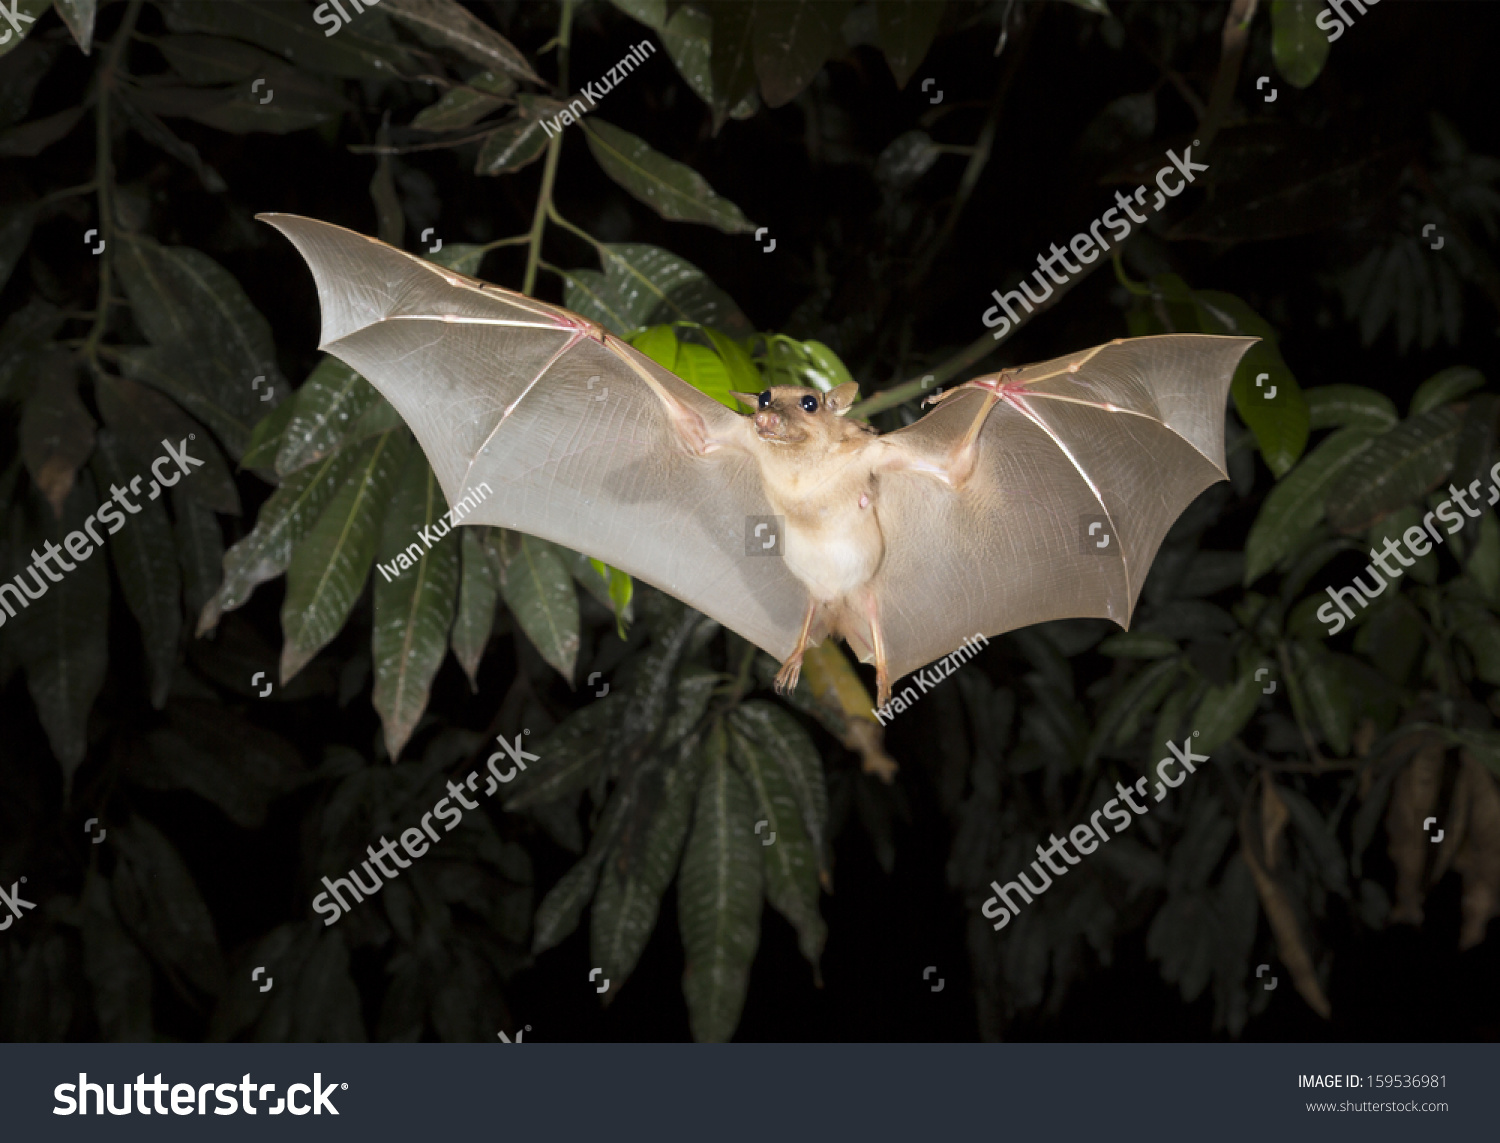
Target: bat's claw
882	685
786	678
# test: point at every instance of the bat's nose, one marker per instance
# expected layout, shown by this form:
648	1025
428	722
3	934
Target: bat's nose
767	422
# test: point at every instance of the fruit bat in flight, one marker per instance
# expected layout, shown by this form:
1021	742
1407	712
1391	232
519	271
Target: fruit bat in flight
1039	492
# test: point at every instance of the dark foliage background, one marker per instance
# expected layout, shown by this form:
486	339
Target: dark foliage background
126	692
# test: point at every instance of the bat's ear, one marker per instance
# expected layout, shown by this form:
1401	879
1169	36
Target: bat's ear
749	400
841	399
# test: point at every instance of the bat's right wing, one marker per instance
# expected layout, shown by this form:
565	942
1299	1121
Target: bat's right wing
1081	464
532	425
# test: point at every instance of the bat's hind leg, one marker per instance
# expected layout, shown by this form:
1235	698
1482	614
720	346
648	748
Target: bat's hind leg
877	644
786	678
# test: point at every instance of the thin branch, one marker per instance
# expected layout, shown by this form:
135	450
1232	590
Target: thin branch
104	177
1236	38
554	152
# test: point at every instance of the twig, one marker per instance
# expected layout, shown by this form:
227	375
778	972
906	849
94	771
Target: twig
1236	38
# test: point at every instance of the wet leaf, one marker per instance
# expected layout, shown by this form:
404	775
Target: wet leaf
328	569
145	559
328	405
673	190
645	286
413	606
510	146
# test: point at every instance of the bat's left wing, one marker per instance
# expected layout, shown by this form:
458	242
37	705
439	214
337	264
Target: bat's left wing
535	419
1078	467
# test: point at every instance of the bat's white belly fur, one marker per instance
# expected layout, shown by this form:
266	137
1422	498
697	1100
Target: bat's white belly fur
834	554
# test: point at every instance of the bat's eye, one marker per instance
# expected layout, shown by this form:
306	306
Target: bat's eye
765	399
810	404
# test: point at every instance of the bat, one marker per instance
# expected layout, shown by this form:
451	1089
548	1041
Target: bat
1035	493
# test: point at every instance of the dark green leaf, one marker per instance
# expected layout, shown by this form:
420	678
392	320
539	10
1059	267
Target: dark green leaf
284	520
56	432
1224	711
447	24
510	146
732	64
139	112
1138	645
539	591
327	571
27	13
1396	469
118	972
792	38
329	403
158	902
145	559
476	599
646	285
719	897
784	739
285	30
200	550
790	857
61	638
905	32
1271	405
180	371
1333	406
674	191
147	423
265	438
1294	507
626	906
464	105
16	219
33	138
1448	385
1322	685
413	604
571	756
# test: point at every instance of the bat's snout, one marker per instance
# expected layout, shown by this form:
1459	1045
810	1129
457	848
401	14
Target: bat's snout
768	423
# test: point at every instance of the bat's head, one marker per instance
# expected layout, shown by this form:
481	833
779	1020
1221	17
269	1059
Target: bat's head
794	415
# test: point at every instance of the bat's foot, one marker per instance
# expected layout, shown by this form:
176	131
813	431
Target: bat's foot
882	685
786	678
